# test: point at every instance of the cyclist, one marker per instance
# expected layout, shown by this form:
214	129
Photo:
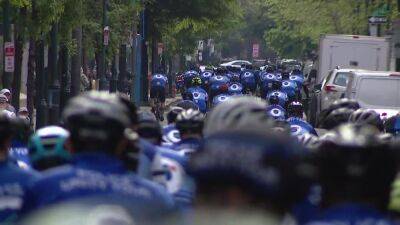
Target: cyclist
13	180
248	80
392	125
219	99
205	78
19	152
276	90
266	80
336	118
298	125
241	166
367	116
351	161
235	87
149	128
170	133
169	165
190	126
291	90
98	125
198	95
219	84
47	148
188	76
340	103
274	109
158	90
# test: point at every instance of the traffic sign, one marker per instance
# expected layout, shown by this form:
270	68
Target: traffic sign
9	59
256	50
377	20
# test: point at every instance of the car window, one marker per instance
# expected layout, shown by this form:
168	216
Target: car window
341	79
378	92
237	63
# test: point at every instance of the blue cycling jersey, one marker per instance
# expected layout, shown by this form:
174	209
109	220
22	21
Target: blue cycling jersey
170	135
146	156
248	79
169	170
187	146
205	77
94	174
219	99
19	154
299	127
189	75
158	81
14	182
350	214
235	89
299	79
283	98
289	87
277	112
219	80
200	97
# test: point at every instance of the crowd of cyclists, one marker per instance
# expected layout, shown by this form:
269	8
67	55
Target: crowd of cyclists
237	149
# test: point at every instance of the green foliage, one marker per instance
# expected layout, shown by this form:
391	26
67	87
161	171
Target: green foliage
299	24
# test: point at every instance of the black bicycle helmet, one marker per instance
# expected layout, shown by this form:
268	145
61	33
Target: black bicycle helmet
367	116
276	85
344	103
392	125
269	170
353	159
190	121
336	118
295	109
173	113
187	104
273	100
96	121
149	128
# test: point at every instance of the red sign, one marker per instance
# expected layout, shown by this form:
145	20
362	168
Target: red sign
160	48
9	49
256	50
9	60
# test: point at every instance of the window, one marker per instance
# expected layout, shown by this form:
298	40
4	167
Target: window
341	79
378	92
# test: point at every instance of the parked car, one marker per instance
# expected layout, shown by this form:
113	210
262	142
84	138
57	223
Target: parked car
236	63
377	90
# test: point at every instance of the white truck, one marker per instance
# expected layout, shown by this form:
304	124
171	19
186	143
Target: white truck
352	51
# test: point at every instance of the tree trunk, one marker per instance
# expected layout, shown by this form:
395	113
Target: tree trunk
76	63
30	83
65	84
122	68
19	50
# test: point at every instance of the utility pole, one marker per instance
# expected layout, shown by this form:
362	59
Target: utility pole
144	61
103	80
7	76
54	85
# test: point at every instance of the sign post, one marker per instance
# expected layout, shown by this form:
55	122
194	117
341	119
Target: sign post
9	57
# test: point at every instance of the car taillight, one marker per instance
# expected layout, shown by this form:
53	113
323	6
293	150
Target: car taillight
329	88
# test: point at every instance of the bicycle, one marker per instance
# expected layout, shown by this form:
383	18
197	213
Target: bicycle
158	111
